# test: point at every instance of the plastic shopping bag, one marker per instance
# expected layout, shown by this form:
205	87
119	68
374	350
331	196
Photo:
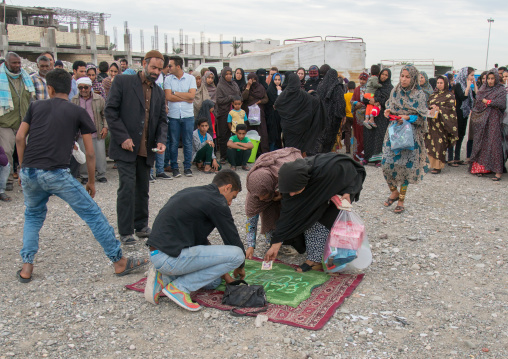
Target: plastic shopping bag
79	156
254	117
401	137
344	241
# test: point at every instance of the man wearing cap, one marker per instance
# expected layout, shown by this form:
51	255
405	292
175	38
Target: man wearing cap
136	113
94	105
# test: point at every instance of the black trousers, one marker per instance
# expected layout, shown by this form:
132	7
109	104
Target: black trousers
132	195
238	158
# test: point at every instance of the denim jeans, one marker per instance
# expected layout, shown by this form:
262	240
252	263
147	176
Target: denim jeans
197	267
5	171
38	185
184	127
159	163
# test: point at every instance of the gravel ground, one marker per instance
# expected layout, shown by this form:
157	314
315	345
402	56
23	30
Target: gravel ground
438	286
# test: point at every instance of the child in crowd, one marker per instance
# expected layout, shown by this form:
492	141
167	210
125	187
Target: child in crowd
239	148
202	148
206	111
348	122
236	115
5	170
372	85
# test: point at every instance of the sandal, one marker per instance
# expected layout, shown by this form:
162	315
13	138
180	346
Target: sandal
460	163
435	172
209	172
390	201
132	265
453	164
305	267
399	210
21	279
4	197
496	179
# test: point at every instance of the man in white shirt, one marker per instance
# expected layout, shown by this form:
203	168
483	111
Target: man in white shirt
180	89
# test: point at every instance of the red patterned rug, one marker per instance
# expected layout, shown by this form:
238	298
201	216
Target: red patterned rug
312	313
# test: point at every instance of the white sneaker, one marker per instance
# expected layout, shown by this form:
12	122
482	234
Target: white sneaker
153	286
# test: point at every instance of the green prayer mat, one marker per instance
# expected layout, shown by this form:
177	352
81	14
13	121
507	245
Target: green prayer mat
283	285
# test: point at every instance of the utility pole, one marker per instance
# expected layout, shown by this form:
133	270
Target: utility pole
491	20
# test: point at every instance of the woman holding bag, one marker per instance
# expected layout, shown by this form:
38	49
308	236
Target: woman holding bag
255	94
409	103
307	214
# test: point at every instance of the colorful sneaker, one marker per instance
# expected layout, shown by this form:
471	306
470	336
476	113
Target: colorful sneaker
153	286
181	298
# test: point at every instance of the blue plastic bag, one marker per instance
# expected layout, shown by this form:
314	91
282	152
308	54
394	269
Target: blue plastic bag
401	137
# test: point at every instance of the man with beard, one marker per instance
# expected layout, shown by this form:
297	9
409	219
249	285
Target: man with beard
136	115
16	92
39	78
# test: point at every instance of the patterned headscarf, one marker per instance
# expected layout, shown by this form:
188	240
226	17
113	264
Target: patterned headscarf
427	88
410	100
364	76
462	80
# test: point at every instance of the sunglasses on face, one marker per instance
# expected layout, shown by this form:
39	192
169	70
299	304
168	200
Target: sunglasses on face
83	87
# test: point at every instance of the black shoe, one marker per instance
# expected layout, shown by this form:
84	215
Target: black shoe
9	186
102	180
143	233
187	172
128	240
152	178
164	176
176	173
84	180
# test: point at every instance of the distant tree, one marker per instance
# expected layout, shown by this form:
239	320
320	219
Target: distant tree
177	50
112	46
245	51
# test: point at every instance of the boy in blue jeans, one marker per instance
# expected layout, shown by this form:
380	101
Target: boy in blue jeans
239	148
52	125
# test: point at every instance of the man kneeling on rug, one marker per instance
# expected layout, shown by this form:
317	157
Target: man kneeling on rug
182	258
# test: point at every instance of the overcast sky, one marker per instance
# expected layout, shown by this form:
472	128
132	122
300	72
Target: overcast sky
451	30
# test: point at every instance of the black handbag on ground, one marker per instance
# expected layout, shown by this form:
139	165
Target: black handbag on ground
240	294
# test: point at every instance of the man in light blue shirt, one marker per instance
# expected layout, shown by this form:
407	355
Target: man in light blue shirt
79	70
180	89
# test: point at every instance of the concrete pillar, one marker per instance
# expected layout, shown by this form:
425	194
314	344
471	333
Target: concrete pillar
20	17
127	47
4	40
50	20
93	46
101	24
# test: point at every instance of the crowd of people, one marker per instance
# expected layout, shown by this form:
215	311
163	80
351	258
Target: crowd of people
140	119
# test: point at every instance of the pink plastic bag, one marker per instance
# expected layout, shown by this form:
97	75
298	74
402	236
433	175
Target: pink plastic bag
347	232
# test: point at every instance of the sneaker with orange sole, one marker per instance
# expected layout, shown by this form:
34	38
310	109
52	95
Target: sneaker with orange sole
181	298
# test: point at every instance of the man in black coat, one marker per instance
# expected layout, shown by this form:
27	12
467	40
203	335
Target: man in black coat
136	115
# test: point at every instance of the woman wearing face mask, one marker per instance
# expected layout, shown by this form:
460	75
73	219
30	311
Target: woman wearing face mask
263	198
313	81
272	115
465	100
487	117
400	169
443	128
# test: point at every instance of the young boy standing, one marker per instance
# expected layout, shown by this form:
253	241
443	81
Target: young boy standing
202	148
236	116
239	148
348	122
51	126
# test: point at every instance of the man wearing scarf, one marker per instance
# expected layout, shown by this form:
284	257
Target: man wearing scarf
94	105
16	92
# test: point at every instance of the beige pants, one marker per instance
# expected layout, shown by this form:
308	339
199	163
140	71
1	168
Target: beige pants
435	163
7	141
